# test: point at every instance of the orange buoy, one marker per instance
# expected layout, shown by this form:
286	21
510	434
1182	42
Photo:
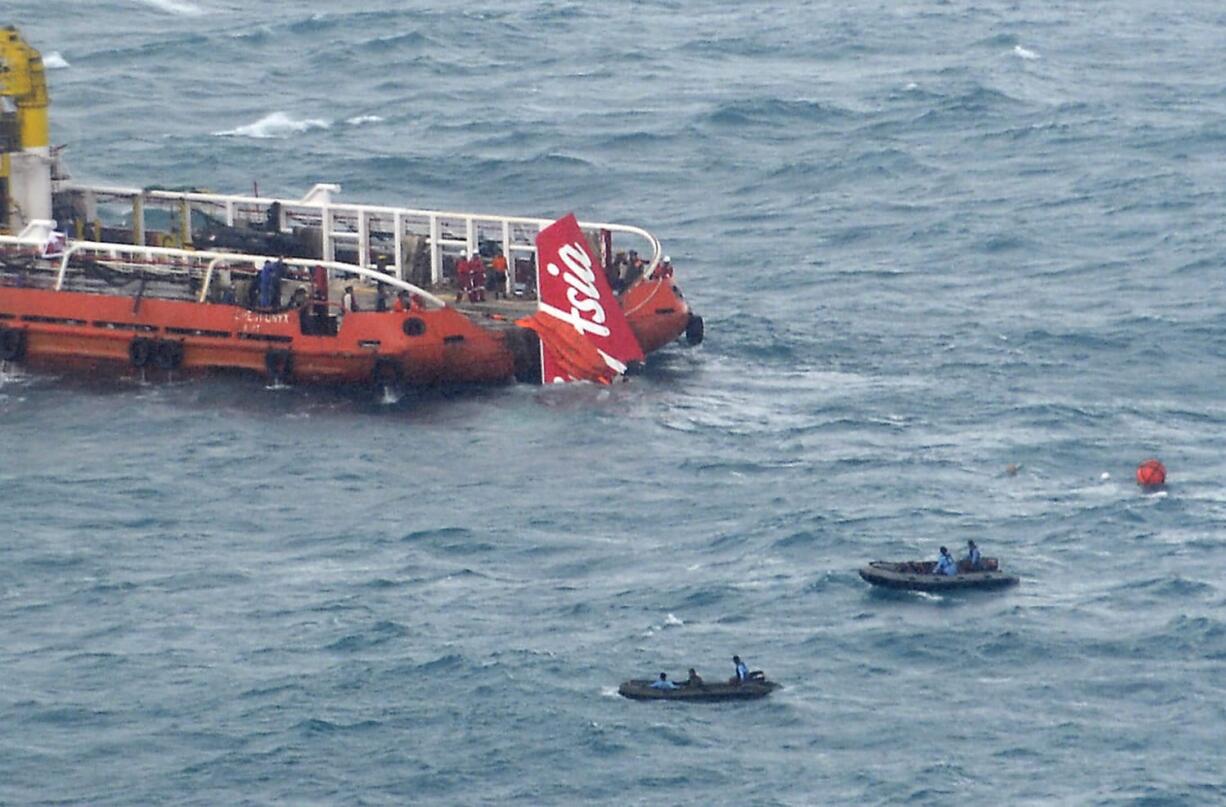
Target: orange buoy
1151	474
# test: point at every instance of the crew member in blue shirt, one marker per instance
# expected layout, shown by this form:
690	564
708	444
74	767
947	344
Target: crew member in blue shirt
973	557
945	564
742	672
663	683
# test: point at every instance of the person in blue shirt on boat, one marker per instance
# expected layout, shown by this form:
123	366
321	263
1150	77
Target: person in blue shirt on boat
945	564
663	683
742	672
264	281
973	559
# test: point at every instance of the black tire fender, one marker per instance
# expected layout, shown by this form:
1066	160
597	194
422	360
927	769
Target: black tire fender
168	354
386	373
695	330
12	344
279	364
140	351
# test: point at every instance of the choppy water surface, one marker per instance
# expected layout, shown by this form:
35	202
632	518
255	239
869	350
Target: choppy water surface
930	240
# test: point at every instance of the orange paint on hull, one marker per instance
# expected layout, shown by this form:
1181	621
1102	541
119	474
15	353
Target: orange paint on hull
75	328
656	311
97	331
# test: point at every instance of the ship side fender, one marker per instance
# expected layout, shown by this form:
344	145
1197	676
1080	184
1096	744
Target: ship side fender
695	330
12	344
279	364
386	374
168	354
140	351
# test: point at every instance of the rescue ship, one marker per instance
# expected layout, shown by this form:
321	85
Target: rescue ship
308	290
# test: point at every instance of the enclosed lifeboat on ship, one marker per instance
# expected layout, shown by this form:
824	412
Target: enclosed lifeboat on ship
154	280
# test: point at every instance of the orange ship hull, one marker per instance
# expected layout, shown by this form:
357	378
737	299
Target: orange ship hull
420	347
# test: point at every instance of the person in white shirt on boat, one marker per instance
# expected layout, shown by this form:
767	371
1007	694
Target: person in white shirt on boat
973	559
663	683
945	564
742	672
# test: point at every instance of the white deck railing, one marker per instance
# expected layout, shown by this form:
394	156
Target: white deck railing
358	224
192	262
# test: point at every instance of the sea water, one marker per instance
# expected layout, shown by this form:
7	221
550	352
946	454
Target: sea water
930	241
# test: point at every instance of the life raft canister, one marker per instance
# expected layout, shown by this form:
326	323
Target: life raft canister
12	344
1151	474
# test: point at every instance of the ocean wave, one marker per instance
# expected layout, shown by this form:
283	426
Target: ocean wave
969	108
454	534
180	8
774	112
317	725
275	125
379	634
1167	588
407	40
54	61
451	661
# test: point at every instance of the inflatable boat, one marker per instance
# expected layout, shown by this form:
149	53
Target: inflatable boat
917	575
641	690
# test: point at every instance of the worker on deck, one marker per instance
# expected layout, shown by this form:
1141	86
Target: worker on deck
973	559
617	271
476	278
663	683
497	282
298	302
945	564
319	298
695	680
265	285
634	271
663	269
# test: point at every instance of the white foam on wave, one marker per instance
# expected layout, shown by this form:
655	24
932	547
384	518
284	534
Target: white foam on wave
673	621
54	61
360	120
275	124
179	7
1023	53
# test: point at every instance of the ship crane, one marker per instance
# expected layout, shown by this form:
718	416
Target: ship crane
25	153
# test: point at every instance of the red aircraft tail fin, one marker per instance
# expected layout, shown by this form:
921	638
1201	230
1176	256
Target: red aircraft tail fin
573	289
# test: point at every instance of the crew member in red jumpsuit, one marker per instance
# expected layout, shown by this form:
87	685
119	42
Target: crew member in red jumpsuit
476	278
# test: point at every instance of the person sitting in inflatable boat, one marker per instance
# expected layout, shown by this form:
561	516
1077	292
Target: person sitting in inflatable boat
945	564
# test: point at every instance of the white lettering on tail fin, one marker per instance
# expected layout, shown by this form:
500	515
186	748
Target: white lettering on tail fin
574	289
